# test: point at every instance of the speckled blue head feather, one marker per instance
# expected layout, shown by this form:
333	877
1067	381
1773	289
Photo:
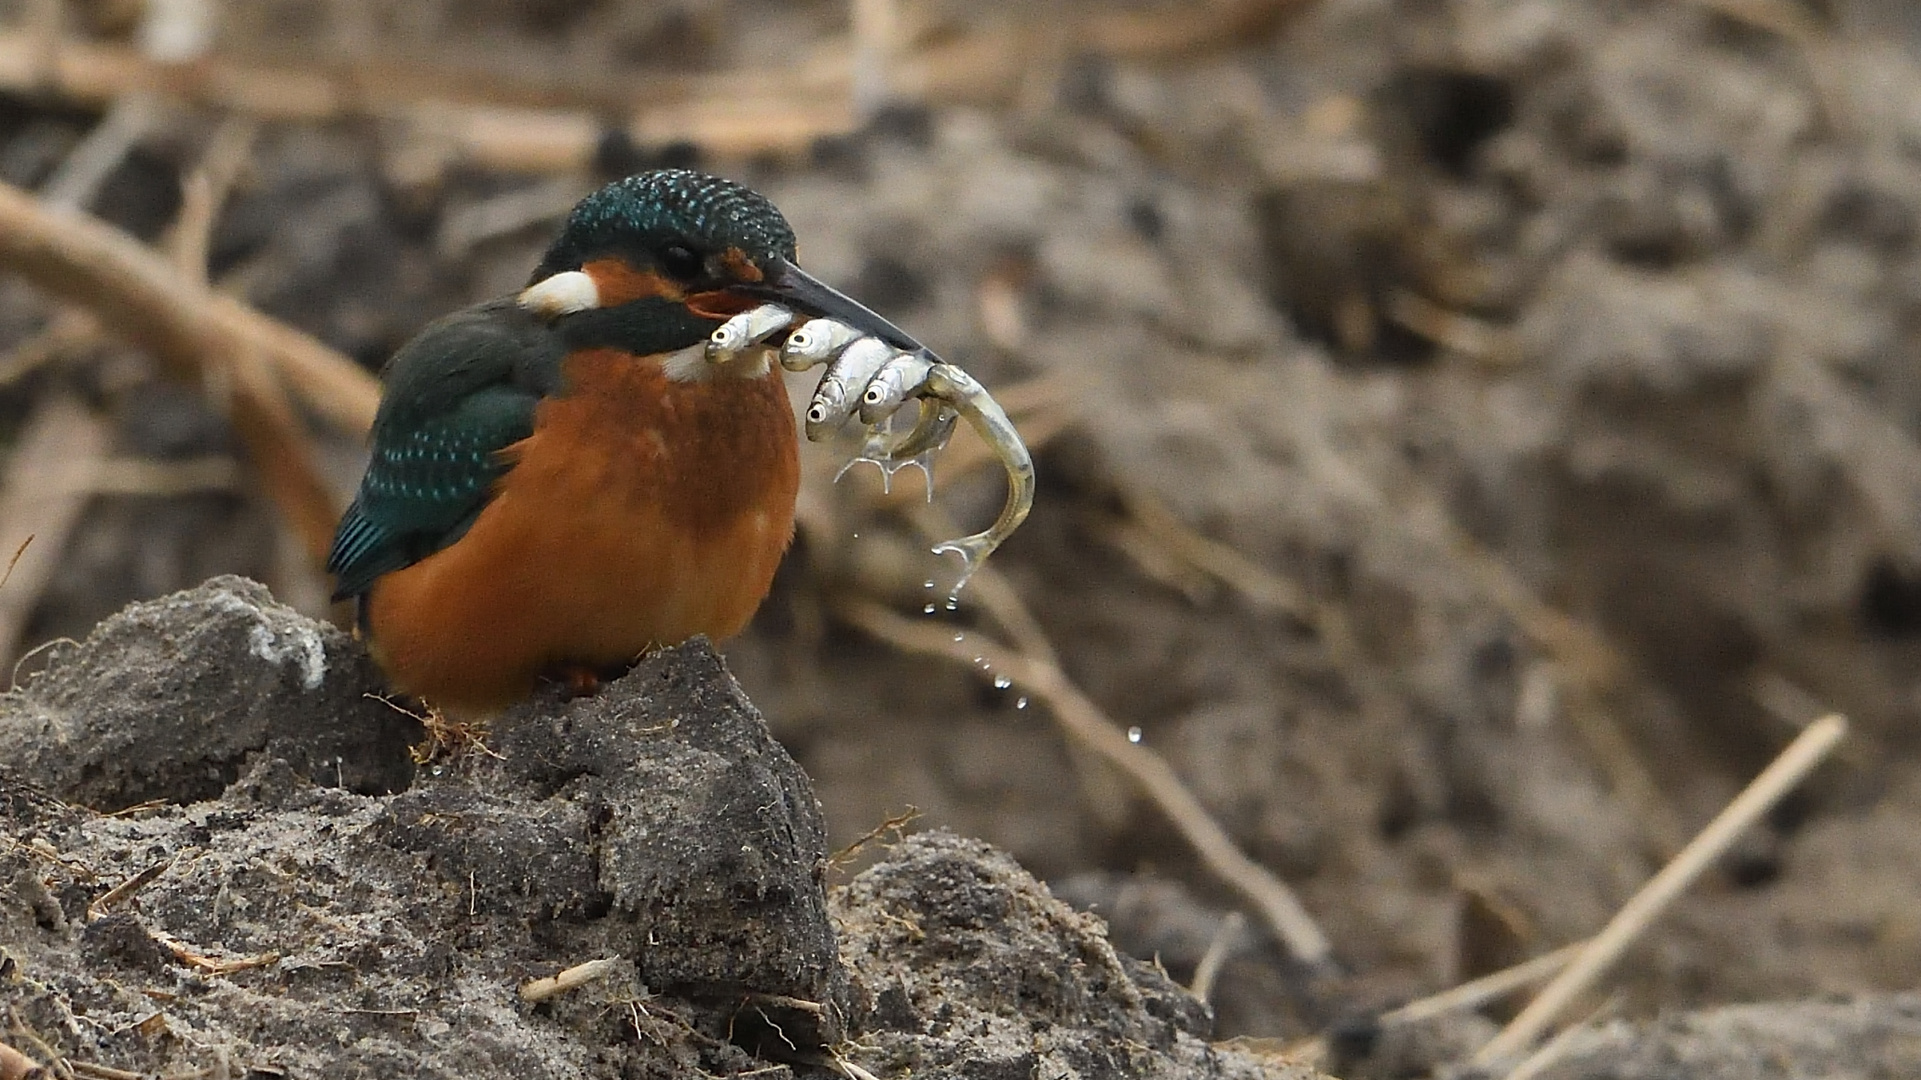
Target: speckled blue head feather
651	210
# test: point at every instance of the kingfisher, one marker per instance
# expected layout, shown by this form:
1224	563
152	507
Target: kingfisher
561	479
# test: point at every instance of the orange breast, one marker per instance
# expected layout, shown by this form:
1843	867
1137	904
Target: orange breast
641	512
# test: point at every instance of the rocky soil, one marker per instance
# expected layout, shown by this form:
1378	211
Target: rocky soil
283	896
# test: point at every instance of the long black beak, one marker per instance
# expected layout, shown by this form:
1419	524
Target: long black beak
790	285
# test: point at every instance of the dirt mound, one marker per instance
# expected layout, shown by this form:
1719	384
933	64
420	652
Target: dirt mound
247	913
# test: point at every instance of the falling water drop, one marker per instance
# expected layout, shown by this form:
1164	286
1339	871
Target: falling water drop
1134	735
1021	702
1002	682
929	609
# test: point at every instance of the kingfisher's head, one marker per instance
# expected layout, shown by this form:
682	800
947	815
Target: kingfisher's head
655	262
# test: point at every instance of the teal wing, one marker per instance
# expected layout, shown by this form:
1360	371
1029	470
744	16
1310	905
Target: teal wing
457	395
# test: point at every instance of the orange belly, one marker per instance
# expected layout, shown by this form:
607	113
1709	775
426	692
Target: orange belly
640	513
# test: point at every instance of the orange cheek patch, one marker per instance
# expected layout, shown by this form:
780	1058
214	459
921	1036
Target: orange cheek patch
619	282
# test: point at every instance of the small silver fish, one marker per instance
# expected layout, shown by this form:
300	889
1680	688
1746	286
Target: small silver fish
815	342
892	385
840	389
745	330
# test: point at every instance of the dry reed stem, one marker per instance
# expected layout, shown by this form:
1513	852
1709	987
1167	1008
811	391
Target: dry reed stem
140	295
1084	722
1551	1053
205	190
49	477
77	179
1600	953
1219	948
1467	996
506	120
1478	992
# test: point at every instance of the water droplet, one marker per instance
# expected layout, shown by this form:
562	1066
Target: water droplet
960	637
1002	682
929	585
1021	702
1133	734
929	609
953	603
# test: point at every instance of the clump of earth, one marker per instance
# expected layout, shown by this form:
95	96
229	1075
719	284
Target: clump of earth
220	861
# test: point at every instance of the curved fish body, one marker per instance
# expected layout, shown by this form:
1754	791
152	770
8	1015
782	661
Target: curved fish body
949	384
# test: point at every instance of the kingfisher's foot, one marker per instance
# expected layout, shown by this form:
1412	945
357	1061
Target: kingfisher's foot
585	680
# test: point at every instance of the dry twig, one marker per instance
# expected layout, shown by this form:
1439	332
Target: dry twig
1463	998
574	977
893	824
127	888
77	180
1215	958
206	189
1490	987
1084	722
7	574
1557	1048
848	1069
212	965
1600	953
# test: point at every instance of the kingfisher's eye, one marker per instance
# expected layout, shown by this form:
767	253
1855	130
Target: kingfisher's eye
680	262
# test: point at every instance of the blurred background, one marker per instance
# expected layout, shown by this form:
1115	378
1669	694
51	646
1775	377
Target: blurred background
1474	435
